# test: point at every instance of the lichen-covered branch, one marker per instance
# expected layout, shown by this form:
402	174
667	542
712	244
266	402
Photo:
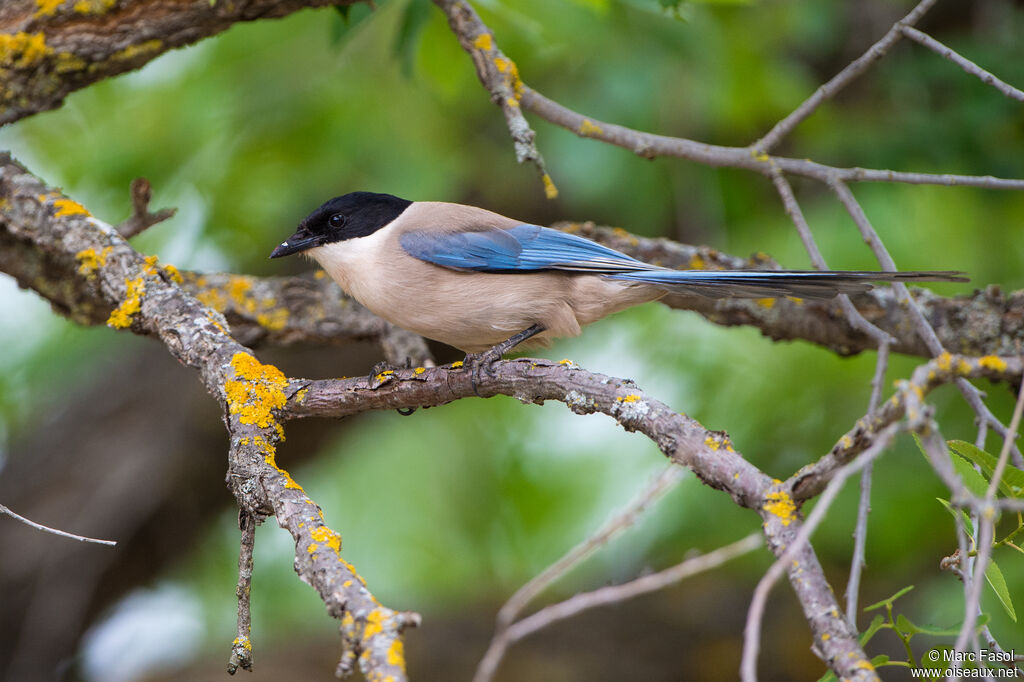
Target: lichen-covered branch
500	76
50	48
145	298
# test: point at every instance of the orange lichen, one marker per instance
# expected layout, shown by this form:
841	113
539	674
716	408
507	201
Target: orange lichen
259	391
67	207
121	318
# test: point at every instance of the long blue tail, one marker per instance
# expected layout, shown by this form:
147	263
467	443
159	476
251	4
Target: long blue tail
778	283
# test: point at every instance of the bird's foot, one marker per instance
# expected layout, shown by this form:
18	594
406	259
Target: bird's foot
478	363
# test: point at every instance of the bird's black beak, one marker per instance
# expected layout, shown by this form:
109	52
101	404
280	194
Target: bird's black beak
300	241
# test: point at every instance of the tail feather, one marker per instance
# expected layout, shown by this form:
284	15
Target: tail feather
779	283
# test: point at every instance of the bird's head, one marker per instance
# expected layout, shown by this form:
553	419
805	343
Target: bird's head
353	215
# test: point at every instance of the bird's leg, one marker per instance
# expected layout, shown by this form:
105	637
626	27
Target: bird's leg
477	362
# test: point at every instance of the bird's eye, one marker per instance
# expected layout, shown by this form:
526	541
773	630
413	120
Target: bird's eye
337	220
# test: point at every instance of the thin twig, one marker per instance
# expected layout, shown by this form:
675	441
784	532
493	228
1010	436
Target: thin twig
921	324
500	641
614	594
840	80
986	530
860	532
755	614
142	219
961	61
54	531
241	648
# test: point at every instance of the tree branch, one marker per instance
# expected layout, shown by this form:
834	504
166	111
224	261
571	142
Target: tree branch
55	48
147	300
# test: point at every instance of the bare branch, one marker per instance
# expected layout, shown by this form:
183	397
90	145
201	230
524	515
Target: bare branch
141	218
961	61
921	324
788	559
841	80
54	531
649	145
241	648
614	594
501	640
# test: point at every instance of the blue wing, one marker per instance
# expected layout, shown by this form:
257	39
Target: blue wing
520	249
529	248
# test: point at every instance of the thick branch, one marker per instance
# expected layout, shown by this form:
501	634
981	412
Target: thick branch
54	48
148	300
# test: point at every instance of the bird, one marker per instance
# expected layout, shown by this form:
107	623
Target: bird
483	283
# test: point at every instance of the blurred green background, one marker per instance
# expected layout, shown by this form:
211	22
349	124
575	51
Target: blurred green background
448	511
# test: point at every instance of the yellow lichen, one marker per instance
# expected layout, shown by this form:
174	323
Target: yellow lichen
766	302
944	361
259	391
213	298
90	260
121	318
134	51
511	72
301	395
631	398
759	156
93	6
22	50
484	41
396	654
319	274
274	320
243	642
312	547
69	61
697	263
67	207
326	536
993	362
173	273
374	624
457	364
780	504
846	442
47	7
550	191
420	370
589	129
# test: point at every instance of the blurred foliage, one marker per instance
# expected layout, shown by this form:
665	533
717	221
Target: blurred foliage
247	132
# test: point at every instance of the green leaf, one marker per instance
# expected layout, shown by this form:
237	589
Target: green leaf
904	624
890	600
963	515
1012	481
995	579
974	481
877	623
880	660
